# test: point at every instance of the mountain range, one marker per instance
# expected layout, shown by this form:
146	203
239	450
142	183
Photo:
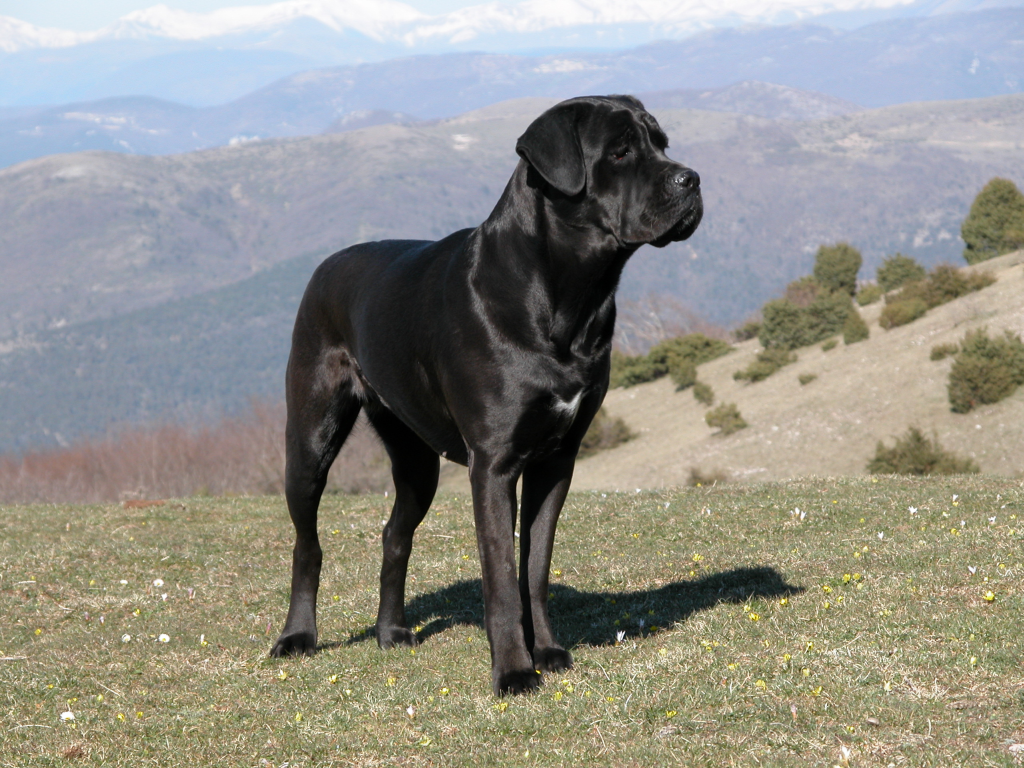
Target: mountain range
138	288
949	56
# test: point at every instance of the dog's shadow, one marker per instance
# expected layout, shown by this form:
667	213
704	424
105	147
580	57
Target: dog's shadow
598	618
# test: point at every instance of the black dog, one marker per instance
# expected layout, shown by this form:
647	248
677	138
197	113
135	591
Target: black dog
490	347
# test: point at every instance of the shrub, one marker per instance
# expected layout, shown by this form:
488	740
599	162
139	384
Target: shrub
942	351
787	326
804	291
854	329
946	283
628	370
683	375
995	224
748	330
830	345
836	267
901	312
807	378
768	362
915	454
703	393
605	432
985	370
699	478
679	357
869	294
693	348
726	418
898	270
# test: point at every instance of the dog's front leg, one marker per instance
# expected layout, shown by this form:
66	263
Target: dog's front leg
545	486
494	507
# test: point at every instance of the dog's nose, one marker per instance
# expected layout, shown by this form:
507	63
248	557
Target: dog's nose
687	179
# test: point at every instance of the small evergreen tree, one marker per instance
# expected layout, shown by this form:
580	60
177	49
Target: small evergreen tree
836	267
985	370
897	270
995	224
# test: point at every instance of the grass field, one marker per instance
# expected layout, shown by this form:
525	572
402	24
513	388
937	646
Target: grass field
822	622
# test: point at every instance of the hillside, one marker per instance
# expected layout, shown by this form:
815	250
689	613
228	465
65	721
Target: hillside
866	392
95	235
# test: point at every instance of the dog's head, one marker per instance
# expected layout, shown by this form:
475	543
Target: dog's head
602	160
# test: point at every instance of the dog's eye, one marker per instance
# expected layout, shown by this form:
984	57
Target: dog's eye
620	154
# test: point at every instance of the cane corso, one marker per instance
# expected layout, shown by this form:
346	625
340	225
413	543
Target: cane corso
491	348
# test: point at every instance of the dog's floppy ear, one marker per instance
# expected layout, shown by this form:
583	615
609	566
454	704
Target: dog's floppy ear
552	146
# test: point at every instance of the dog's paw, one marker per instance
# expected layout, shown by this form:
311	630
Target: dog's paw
516	682
294	644
553	659
389	637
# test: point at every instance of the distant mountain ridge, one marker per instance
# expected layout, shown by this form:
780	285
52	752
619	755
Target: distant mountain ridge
145	126
935	58
138	288
907	57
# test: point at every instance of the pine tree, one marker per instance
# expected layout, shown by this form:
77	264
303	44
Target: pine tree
836	267
995	224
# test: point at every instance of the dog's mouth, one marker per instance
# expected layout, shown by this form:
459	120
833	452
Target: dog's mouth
685	226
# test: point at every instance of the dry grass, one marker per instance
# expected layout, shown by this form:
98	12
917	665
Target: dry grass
242	455
773	625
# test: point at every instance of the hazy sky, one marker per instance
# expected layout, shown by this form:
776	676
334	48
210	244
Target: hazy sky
87	15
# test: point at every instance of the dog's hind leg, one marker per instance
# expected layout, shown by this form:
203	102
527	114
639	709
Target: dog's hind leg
323	402
414	467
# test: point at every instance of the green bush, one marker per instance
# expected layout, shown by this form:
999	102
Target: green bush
869	294
703	393
944	284
901	312
767	363
942	351
807	378
787	326
748	330
854	329
898	270
677	357
985	370
629	370
804	291
694	348
604	432
995	224
830	345
836	267
726	418
915	454
684	374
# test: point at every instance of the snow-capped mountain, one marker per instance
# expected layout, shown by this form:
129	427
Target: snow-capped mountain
206	59
393	21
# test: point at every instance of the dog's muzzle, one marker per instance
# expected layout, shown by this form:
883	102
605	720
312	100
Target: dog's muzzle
686	186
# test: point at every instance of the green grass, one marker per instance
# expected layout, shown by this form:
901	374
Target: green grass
770	636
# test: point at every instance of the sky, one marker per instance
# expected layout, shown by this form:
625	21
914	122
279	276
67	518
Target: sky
86	16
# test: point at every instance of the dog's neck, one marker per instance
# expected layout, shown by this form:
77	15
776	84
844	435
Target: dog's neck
564	272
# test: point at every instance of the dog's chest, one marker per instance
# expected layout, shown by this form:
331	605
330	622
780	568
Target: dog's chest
564	410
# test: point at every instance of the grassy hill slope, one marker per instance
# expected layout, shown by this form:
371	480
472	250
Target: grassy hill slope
866	392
